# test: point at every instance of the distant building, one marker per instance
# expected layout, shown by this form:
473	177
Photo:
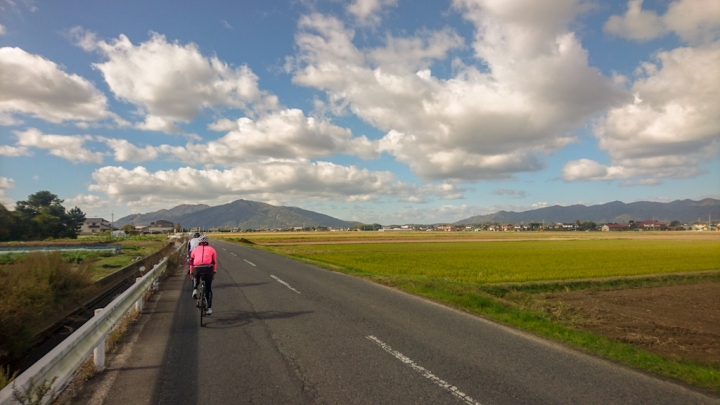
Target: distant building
651	225
615	227
161	226
93	226
401	229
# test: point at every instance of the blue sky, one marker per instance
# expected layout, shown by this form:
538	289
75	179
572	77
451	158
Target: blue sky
369	110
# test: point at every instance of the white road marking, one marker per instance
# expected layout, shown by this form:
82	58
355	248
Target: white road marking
250	263
224	249
284	283
233	254
425	373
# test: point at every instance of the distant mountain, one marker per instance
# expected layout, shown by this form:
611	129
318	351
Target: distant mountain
168	215
616	211
241	214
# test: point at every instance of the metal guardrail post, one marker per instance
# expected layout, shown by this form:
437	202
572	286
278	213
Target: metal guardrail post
156	282
138	303
99	352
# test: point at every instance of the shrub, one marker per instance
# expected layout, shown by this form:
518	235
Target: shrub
31	289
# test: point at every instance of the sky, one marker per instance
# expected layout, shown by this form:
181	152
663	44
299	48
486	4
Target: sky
367	110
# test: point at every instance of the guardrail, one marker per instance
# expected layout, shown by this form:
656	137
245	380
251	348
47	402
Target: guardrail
62	362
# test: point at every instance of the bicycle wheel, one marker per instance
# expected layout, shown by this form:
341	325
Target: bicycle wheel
201	300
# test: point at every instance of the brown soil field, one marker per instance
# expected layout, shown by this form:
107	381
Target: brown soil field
677	321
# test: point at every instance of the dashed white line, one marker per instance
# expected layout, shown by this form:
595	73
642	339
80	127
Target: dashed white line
233	254
250	263
425	373
285	284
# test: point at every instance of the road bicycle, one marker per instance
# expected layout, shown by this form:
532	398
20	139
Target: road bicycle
201	298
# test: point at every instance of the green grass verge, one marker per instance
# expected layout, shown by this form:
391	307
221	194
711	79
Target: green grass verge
483	299
519	261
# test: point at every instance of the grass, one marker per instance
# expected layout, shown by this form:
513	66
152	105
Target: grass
30	289
497	280
520	262
37	285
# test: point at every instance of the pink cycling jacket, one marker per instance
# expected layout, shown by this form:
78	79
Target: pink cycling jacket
203	255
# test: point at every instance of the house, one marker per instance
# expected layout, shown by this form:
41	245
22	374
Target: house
651	225
615	227
142	230
94	226
161	226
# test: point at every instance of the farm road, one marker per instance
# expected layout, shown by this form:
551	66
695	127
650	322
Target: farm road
284	332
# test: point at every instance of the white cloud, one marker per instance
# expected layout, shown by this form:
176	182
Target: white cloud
672	126
69	147
261	180
223	125
2	29
36	86
124	151
366	11
636	23
5	184
282	134
173	83
14	151
694	21
87	202
512	193
531	88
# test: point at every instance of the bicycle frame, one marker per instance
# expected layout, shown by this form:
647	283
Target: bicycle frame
202	299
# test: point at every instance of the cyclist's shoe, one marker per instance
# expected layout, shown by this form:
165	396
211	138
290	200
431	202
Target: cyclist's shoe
195	293
209	311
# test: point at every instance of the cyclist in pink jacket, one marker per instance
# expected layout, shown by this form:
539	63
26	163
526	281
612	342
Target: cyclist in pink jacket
203	263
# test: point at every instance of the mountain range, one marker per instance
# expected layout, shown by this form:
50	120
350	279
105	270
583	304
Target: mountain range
245	214
240	214
616	211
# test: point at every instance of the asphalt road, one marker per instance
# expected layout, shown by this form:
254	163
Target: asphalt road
284	332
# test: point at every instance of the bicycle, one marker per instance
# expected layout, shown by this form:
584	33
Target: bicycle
201	298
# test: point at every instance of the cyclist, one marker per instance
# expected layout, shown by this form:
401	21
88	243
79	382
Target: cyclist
192	244
203	261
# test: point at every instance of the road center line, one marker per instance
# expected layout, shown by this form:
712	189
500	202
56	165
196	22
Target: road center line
250	263
425	373
284	283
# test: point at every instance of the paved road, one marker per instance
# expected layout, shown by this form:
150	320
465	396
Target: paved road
284	332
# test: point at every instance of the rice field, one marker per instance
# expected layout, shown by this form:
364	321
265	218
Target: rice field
516	261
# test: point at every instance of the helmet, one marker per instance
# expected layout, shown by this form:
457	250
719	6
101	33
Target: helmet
197	235
204	239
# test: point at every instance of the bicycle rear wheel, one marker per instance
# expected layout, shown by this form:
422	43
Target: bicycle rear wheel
202	303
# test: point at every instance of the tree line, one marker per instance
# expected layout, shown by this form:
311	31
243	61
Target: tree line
42	216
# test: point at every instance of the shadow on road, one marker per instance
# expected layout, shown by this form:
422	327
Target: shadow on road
234	319
230	285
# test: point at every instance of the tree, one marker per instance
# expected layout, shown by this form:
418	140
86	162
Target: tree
75	219
129	229
43	216
8	225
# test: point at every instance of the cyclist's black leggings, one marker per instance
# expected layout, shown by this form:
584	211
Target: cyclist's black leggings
208	274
